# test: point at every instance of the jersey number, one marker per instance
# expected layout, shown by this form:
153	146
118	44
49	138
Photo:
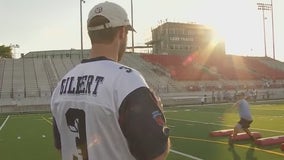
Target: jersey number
128	70
76	122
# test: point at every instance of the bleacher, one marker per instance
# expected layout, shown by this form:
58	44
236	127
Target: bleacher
42	80
59	66
7	82
32	78
271	63
2	66
265	70
51	73
180	67
67	62
75	59
204	67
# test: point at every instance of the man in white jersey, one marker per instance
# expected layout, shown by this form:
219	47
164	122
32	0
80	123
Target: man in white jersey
103	110
245	117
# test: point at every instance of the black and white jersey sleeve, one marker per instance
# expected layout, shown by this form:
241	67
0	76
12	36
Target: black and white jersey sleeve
142	120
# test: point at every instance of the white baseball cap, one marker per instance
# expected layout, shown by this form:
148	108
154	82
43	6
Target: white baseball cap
116	15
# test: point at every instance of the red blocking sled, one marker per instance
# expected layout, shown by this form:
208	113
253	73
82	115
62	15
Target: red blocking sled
245	136
221	133
270	140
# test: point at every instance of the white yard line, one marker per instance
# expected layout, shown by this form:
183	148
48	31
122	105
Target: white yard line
185	155
4	122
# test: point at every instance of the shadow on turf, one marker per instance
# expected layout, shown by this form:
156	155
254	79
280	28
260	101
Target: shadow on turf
249	152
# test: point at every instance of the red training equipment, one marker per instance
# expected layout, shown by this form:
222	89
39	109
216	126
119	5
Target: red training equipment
270	140
220	133
245	136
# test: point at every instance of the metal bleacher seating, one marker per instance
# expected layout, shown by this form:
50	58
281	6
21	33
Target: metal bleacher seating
67	63
75	59
2	66
59	66
272	63
7	79
18	79
30	79
51	73
41	76
154	75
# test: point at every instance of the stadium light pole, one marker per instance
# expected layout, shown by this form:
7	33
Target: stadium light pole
132	33
81	27
272	23
264	7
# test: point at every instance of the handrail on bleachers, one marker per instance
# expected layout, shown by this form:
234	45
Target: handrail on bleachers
2	66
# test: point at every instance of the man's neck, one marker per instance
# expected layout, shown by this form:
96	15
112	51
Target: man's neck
106	50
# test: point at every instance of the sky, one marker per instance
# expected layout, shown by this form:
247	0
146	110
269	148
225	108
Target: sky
38	25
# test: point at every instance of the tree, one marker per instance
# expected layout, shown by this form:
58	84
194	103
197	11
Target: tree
5	51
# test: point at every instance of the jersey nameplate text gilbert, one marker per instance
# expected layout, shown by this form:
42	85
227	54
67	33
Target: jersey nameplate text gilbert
87	84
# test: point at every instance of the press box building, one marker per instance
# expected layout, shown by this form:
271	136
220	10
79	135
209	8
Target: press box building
184	38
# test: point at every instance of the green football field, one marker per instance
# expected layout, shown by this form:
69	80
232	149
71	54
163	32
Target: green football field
29	136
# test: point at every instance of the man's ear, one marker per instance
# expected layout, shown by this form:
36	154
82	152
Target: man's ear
122	32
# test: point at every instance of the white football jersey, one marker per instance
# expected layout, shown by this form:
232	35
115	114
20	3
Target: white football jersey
85	107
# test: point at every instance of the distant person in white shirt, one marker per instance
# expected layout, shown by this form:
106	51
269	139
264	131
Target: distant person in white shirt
245	117
202	100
